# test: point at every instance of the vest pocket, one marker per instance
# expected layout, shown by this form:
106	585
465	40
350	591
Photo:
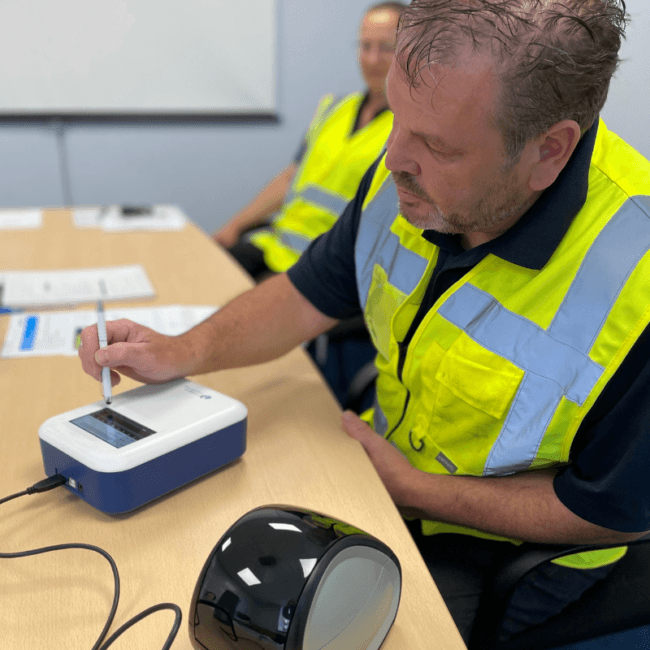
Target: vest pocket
474	389
383	299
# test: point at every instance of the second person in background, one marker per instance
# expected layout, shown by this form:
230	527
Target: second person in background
343	140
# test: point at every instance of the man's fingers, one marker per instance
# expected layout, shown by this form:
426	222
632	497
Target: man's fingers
117	354
133	350
122	330
89	338
355	427
93	358
86	352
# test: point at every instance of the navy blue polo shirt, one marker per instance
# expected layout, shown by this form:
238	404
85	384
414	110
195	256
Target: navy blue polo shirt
606	482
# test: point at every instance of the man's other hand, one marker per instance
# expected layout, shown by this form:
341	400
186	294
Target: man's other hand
393	468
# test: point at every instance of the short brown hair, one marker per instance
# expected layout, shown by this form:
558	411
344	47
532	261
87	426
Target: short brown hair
554	58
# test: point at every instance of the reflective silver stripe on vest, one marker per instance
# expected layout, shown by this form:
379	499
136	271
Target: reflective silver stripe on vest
294	241
376	244
378	418
555	361
335	203
621	244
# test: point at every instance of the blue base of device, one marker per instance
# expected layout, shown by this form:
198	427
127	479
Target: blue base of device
118	492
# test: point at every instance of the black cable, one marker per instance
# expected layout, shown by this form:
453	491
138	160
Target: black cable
46	484
13	496
156	608
102	552
49	484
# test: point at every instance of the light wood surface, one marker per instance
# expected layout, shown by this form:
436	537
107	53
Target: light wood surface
296	455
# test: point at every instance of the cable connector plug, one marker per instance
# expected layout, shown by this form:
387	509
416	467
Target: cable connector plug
46	484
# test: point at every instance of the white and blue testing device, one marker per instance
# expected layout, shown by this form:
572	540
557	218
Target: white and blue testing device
150	441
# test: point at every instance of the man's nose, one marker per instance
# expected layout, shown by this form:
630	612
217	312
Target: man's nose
398	158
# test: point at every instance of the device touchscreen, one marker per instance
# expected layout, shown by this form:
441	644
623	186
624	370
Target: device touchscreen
112	427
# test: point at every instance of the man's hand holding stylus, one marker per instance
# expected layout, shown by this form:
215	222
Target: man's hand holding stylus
134	351
257	326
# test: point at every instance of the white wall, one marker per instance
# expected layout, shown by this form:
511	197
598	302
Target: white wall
626	111
212	170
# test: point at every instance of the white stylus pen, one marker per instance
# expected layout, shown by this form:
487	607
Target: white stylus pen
101	334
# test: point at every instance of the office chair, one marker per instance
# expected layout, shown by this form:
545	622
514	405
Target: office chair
345	357
361	390
617	603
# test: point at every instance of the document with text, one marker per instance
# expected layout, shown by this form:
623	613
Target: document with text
53	333
115	218
34	289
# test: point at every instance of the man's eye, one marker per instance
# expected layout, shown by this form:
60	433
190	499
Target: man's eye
431	148
440	154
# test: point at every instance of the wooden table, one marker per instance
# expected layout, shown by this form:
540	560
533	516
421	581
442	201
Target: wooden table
297	455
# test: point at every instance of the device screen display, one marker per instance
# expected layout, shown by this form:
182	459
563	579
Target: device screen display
113	428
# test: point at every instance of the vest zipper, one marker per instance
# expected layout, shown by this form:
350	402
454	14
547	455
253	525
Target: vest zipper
404	345
401	359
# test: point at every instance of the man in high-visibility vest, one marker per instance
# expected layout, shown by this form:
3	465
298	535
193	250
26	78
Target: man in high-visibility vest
345	137
500	253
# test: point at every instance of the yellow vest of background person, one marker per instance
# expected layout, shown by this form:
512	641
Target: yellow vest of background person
334	163
503	369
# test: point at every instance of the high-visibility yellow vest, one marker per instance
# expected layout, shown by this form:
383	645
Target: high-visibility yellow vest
503	369
334	163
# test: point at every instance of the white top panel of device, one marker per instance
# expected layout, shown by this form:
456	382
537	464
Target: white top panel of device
180	412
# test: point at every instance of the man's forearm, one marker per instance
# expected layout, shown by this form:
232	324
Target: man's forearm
257	326
522	506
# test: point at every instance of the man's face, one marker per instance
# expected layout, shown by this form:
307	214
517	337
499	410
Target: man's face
447	158
376	47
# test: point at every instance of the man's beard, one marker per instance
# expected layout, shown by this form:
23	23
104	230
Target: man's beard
503	202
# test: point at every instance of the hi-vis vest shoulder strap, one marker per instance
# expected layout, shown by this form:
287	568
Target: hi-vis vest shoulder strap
334	163
503	369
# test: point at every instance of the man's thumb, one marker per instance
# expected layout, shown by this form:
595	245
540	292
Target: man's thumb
353	424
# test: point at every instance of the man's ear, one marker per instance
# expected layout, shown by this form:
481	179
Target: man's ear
552	151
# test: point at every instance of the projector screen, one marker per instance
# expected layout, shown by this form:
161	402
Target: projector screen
137	57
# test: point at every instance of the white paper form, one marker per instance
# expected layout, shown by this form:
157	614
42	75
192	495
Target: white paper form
33	289
56	333
112	219
21	219
87	216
